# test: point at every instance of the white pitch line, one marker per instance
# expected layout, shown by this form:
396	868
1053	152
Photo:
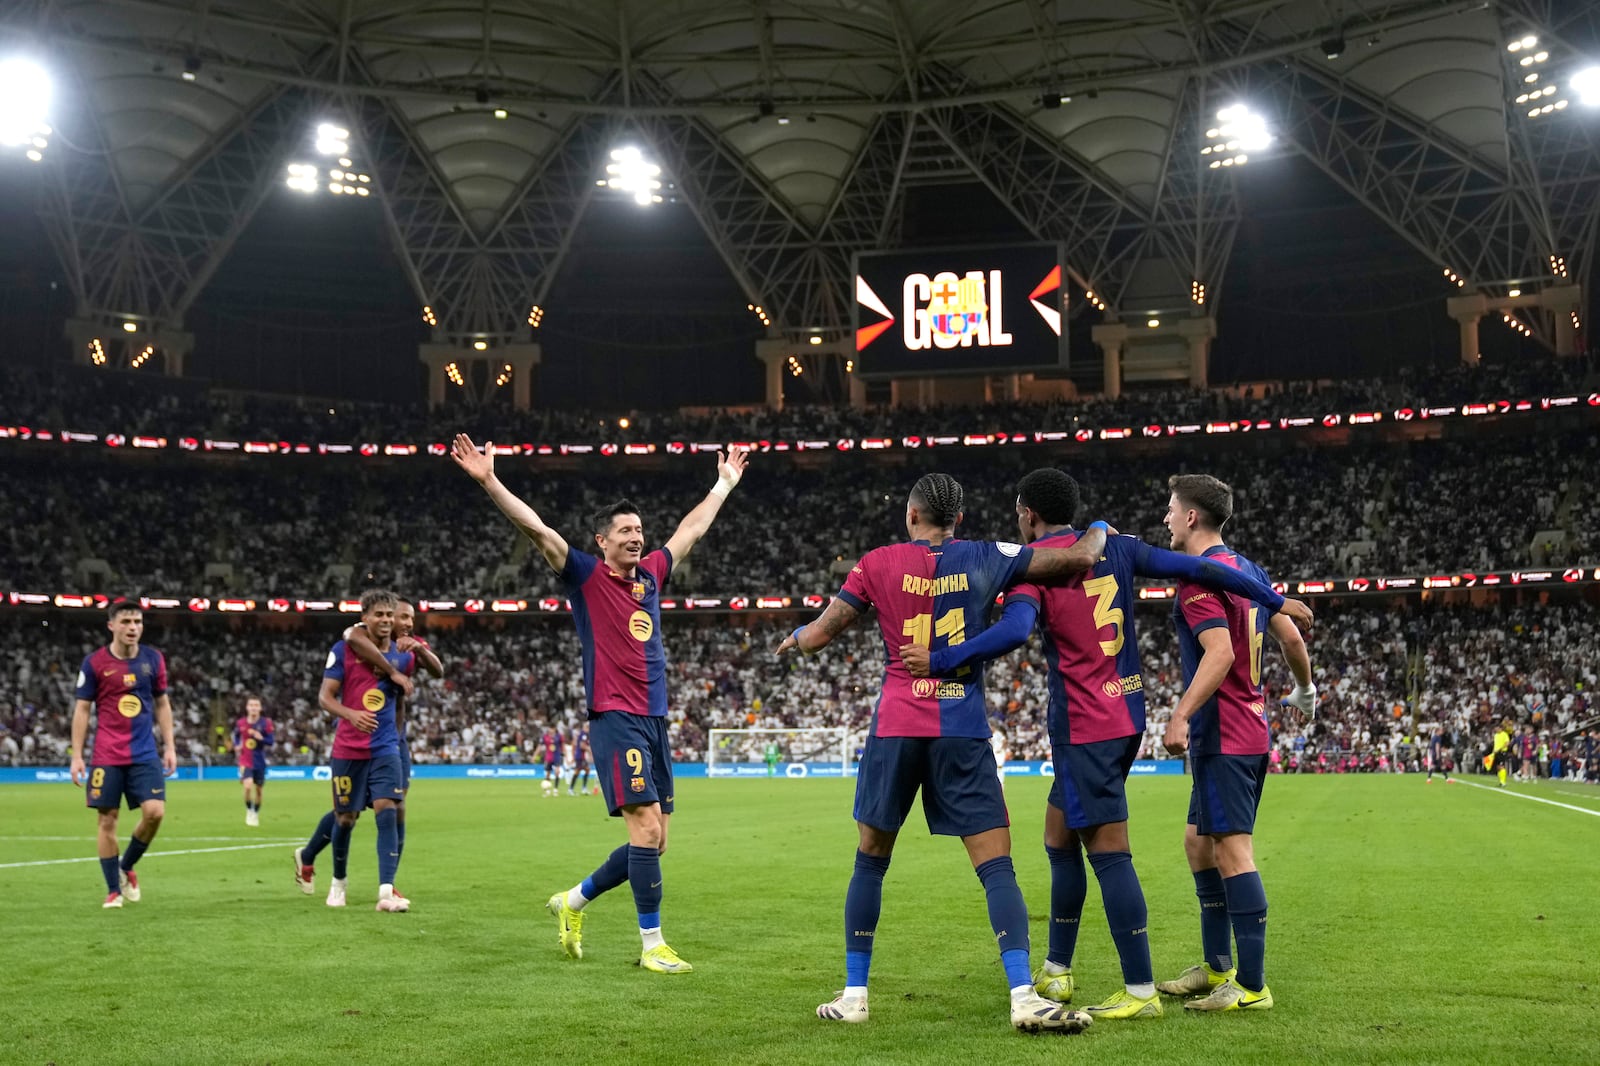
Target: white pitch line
91	837
153	855
1525	796
1581	795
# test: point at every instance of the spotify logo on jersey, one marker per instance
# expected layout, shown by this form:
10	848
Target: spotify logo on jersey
640	625
129	706
372	699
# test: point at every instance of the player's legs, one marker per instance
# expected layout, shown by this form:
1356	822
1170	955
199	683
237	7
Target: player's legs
1228	790
1090	798
889	776
305	857
1069	887
1216	934
106	848
245	786
350	798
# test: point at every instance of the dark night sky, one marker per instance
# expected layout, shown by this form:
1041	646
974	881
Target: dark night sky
644	314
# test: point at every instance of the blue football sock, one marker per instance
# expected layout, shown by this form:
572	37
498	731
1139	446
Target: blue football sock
388	846
644	875
610	874
319	840
400	834
863	902
1125	913
1247	909
1216	937
1069	887
1008	917
341	850
109	869
135	851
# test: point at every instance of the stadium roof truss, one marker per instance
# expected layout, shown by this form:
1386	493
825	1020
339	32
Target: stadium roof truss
793	131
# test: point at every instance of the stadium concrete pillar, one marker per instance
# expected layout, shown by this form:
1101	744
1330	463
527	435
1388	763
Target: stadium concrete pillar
1199	332
437	357
1565	302
523	358
1467	311
106	341
858	390
1111	336
774	353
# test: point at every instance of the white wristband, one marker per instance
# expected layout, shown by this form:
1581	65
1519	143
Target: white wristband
723	487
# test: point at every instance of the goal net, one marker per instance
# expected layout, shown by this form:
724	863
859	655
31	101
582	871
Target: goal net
792	753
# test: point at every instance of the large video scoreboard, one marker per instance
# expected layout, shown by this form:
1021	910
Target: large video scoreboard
960	310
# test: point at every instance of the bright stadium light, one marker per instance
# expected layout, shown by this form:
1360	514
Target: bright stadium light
631	173
1238	132
1585	84
332	140
302	177
25	94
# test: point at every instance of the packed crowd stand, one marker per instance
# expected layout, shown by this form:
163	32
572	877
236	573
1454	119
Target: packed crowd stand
97	401
1387	677
1359	510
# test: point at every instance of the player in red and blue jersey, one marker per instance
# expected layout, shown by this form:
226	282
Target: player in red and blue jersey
580	757
1221	721
1096	723
932	735
552	748
616	606
366	753
252	736
125	685
359	642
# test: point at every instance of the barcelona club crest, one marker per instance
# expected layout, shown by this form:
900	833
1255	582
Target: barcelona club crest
638	591
957	307
637	784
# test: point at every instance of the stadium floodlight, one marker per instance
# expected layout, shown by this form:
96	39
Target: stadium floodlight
1238	132
332	140
25	94
1586	85
302	177
631	173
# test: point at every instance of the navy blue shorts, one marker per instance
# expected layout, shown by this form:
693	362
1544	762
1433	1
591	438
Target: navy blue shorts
1091	779
632	758
961	793
251	773
405	767
358	782
1226	792
140	781
553	769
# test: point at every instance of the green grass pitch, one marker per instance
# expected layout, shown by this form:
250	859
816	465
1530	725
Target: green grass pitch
1409	923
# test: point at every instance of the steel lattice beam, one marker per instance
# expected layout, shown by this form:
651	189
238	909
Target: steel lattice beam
480	284
153	263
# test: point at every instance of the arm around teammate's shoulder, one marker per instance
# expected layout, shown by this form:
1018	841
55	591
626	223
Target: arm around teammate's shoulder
1050	565
479	466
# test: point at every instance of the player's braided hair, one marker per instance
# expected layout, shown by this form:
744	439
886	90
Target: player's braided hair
1212	498
1053	494
377	598
939	498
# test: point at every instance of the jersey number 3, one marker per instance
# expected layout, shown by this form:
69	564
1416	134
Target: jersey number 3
1103	590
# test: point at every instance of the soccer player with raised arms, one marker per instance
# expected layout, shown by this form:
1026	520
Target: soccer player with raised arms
616	606
933	735
1221	721
1096	723
252	736
125	685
